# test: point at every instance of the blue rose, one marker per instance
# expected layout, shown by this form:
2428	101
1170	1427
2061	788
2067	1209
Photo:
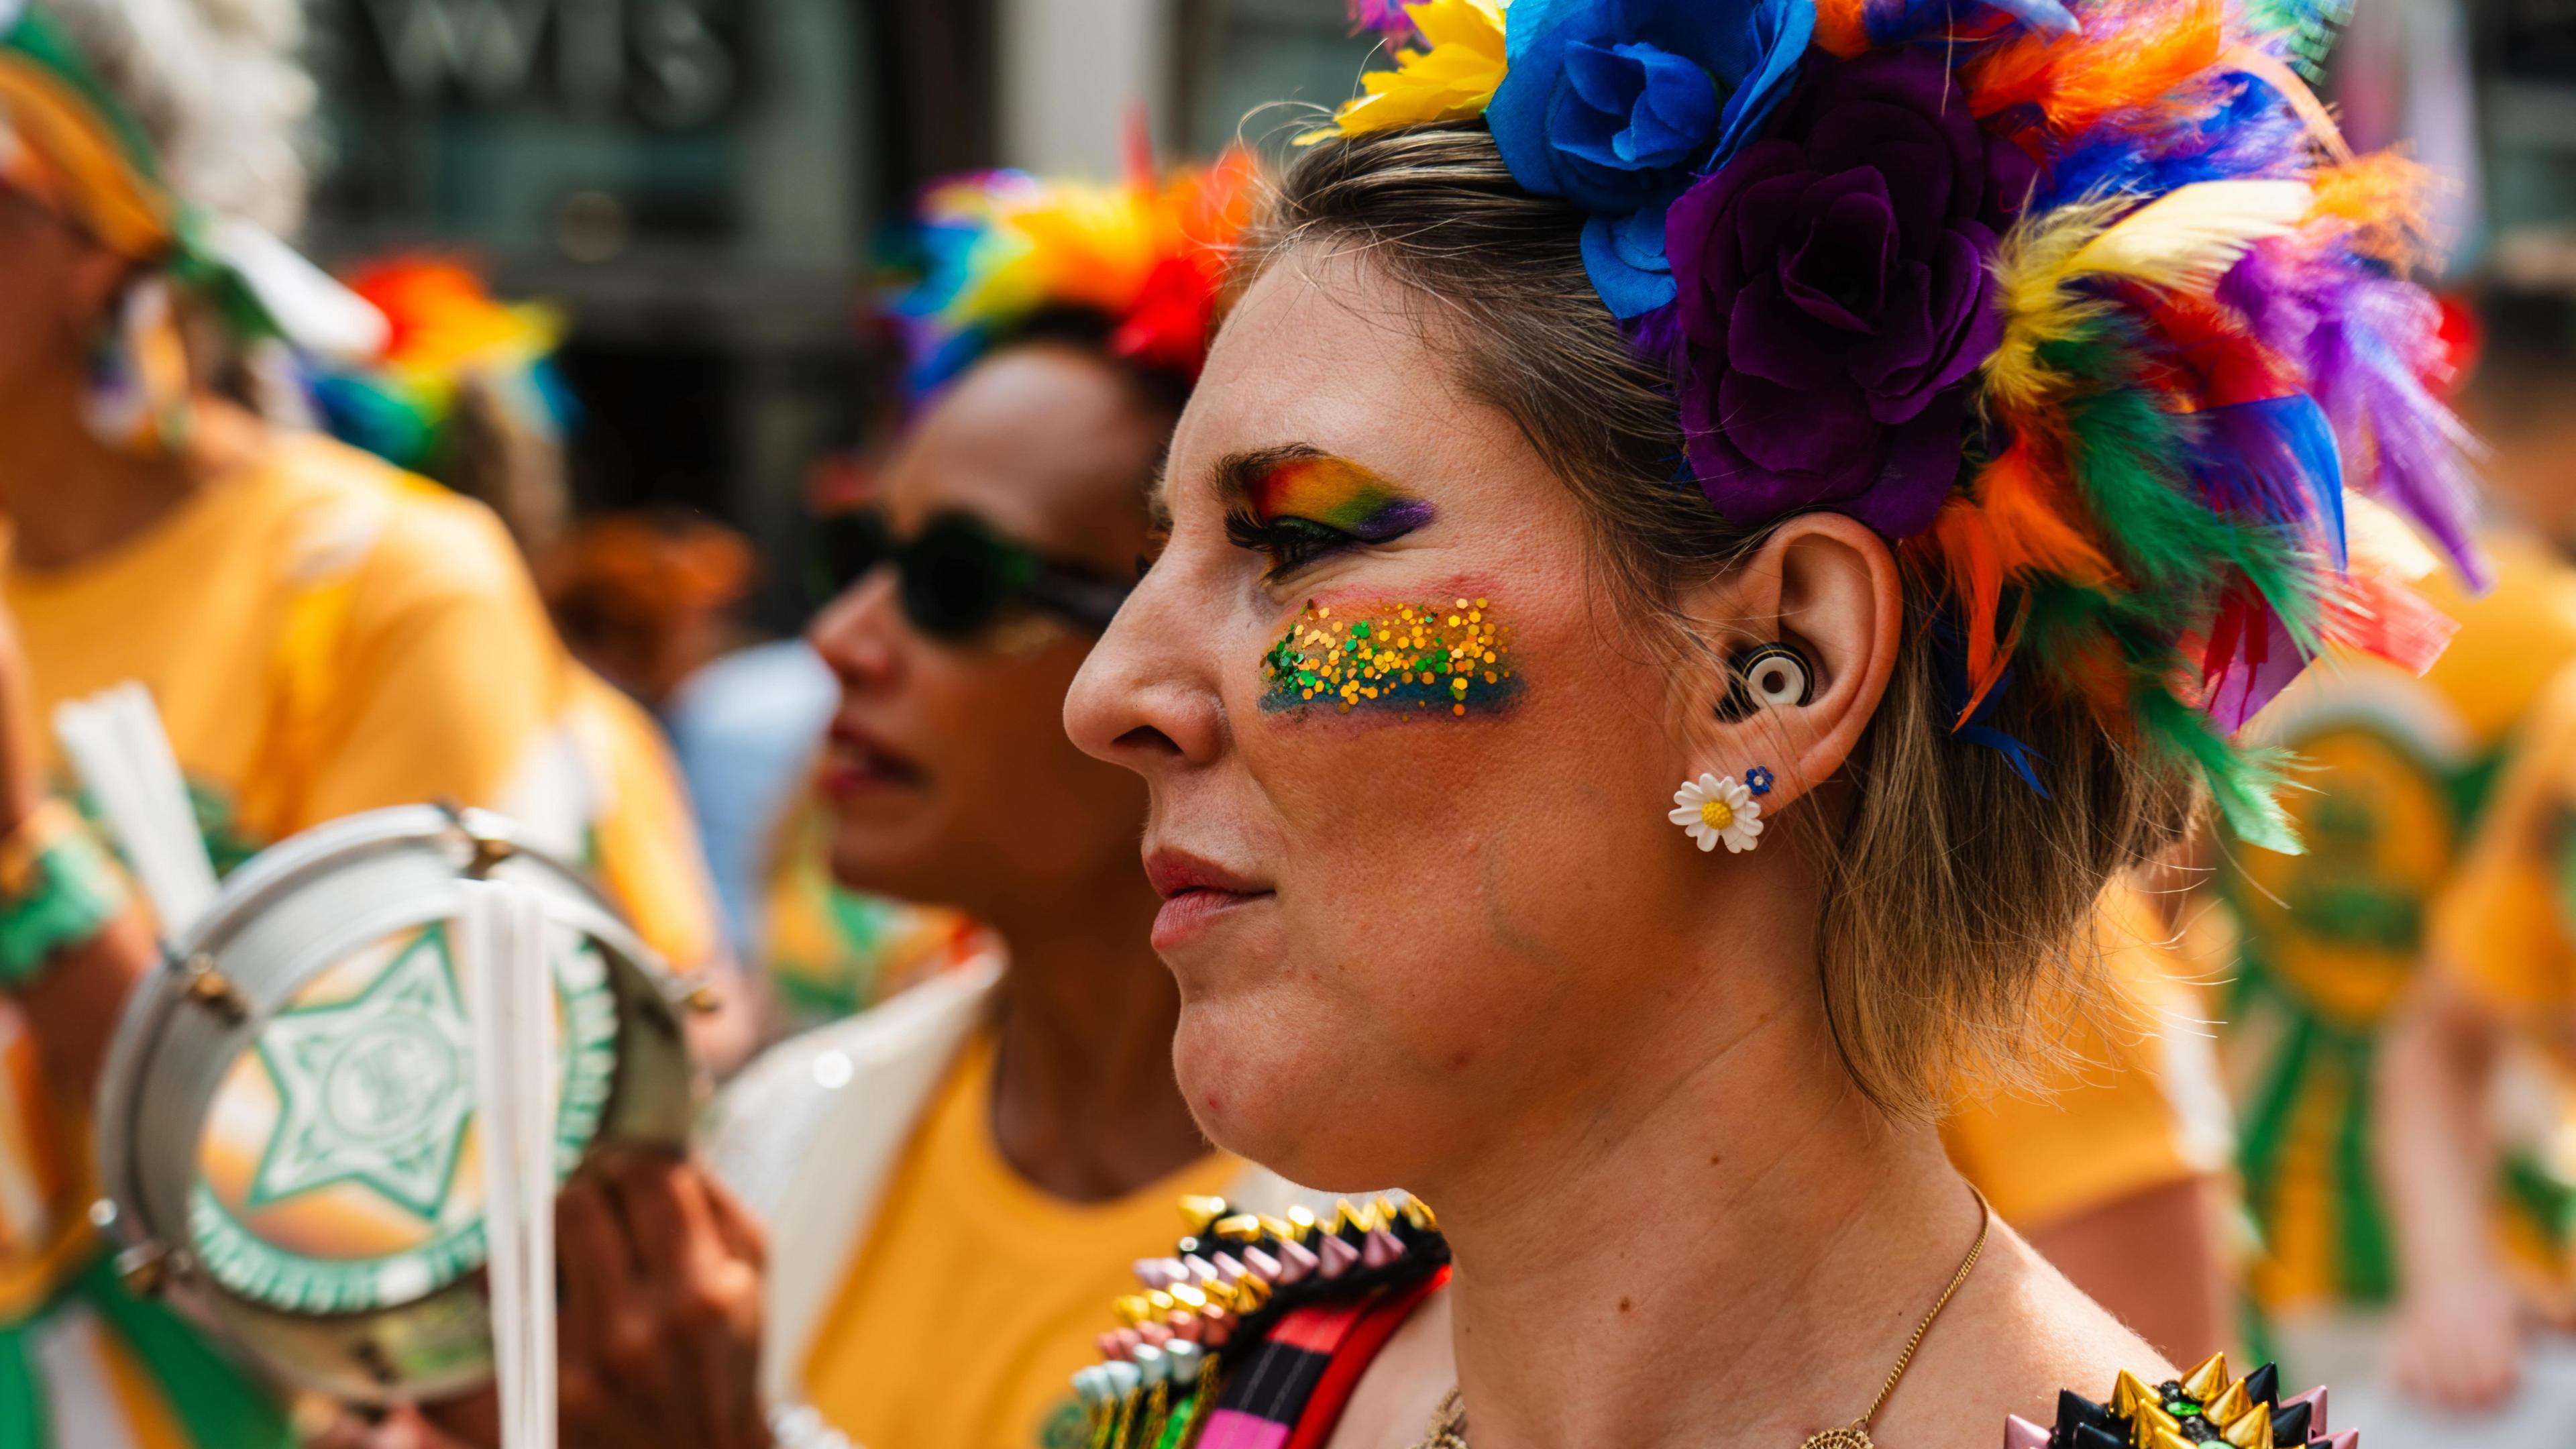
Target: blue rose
1618	105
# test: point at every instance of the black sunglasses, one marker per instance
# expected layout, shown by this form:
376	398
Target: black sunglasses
958	576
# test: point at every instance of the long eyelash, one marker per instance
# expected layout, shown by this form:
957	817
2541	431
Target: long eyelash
1158	536
1291	542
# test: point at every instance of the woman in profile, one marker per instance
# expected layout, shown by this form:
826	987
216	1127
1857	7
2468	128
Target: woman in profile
1899	447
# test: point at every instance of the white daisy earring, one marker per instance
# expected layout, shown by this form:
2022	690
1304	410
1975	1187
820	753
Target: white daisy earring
1710	809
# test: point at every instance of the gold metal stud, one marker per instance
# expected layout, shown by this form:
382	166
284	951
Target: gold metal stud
2249	1430
2128	1392
2149	1426
2207	1381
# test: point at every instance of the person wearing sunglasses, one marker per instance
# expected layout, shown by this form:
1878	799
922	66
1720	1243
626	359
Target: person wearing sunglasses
981	1146
958	576
949	1182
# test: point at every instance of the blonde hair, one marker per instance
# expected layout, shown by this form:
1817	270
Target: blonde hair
1956	894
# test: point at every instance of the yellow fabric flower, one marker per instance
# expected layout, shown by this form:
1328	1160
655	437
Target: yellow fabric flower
1451	81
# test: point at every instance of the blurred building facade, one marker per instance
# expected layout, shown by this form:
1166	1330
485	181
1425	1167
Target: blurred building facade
705	183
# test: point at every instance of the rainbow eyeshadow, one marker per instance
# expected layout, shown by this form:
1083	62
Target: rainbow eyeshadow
1430	659
1339	494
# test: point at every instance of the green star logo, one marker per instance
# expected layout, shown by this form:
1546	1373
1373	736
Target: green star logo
375	1090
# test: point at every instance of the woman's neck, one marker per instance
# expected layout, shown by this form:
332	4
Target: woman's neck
1084	1104
70	497
1734	1258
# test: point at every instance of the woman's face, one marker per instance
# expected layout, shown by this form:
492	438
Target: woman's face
947	770
50	277
1409	763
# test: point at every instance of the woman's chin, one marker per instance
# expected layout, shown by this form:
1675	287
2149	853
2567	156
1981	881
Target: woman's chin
1297	1102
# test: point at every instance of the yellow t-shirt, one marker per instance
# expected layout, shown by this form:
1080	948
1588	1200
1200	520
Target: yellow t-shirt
2399	773
643	835
2502	927
2134	1106
975	1296
324	634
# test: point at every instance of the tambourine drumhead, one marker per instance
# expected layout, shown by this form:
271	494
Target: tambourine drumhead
286	1122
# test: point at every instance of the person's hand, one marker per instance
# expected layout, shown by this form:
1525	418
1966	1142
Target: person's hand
2457	1342
660	1331
658	1339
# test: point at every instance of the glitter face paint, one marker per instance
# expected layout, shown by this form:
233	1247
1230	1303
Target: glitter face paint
1433	659
1339	494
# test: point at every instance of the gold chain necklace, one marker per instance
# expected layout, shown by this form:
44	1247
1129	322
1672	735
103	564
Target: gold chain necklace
1448	1428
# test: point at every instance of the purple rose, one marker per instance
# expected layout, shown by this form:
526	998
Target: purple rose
1835	296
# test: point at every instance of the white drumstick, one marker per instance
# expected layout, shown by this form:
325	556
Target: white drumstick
116	742
502	939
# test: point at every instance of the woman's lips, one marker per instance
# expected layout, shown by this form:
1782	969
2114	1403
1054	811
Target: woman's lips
856	762
1196	893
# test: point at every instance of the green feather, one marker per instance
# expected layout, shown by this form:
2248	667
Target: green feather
2245	783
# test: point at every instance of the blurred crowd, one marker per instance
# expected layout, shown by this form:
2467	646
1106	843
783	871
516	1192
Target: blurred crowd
2328	1115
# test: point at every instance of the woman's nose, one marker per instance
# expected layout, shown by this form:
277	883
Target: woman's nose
1142	699
858	634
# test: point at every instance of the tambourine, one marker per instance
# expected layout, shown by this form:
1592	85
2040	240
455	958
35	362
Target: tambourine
286	1120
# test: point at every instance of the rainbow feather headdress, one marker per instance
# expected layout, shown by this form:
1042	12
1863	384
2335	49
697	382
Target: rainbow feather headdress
2085	304
444	331
1147	255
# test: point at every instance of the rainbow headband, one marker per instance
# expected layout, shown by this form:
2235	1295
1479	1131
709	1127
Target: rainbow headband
2085	305
1004	246
443	328
68	144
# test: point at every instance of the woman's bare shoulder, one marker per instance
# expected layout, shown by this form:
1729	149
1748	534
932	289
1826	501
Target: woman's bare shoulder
2017	1336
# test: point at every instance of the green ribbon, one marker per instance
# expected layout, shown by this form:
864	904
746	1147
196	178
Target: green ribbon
75	891
217	1404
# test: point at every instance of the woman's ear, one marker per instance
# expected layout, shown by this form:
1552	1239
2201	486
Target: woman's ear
1825	586
95	280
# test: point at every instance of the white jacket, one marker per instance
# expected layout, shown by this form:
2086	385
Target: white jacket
808	1135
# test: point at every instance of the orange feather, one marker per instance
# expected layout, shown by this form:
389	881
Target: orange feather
1842	27
2033	532
2129	56
2381	202
1967	543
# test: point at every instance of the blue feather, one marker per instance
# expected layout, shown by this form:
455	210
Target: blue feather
2247	134
2277	459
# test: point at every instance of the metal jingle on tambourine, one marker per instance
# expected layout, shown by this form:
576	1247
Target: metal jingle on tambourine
285	1121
